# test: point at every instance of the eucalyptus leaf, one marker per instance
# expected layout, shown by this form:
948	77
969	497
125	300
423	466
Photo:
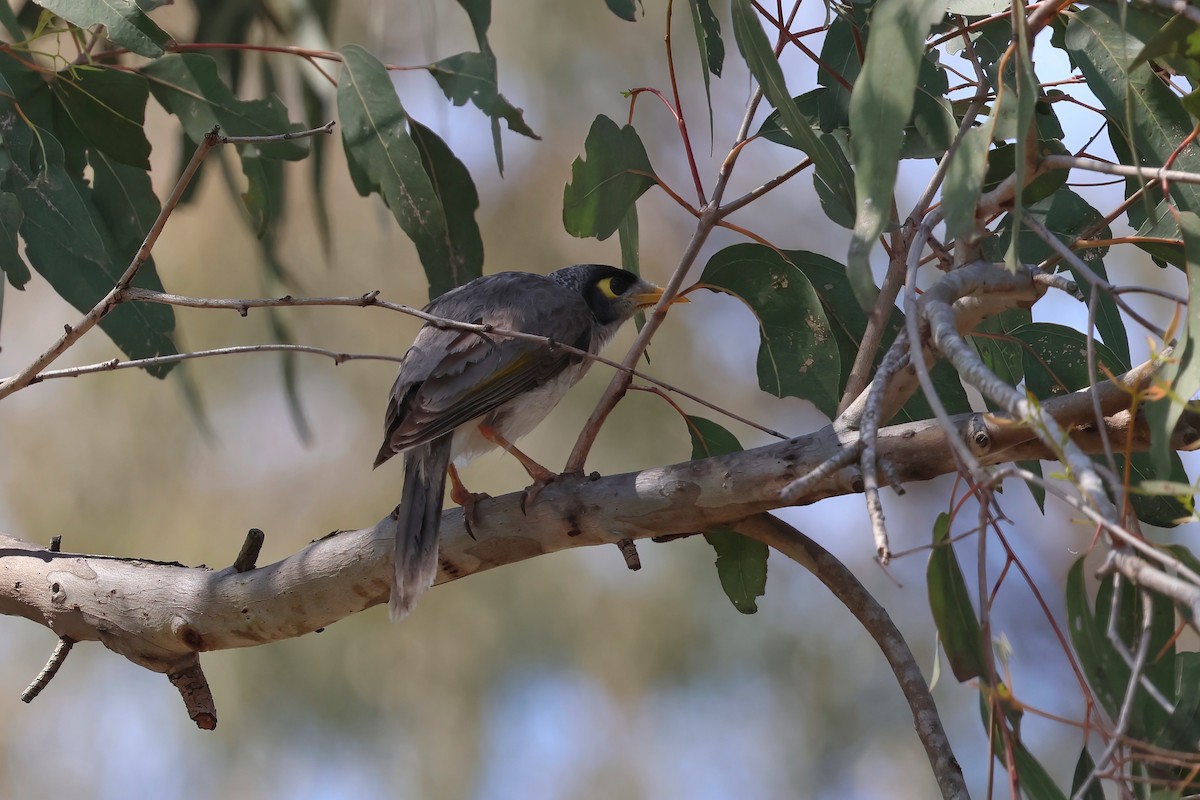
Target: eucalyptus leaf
880	108
612	174
109	108
741	562
386	160
124	23
797	354
953	614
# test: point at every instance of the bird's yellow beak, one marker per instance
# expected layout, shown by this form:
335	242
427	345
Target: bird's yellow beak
647	299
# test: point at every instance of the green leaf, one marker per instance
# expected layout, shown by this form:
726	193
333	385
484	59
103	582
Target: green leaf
1164	511
797	354
263	198
957	626
741	562
1055	359
189	86
760	58
472	76
992	340
1149	115
8	19
453	185
1182	374
109	108
126	202
68	241
1182	730
124	23
613	173
1084	767
1106	670
849	322
628	236
383	158
1172	46
1002	161
710	439
880	107
11	263
625	9
712	50
741	567
964	179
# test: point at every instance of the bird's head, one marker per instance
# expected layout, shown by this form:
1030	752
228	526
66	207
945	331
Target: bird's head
612	294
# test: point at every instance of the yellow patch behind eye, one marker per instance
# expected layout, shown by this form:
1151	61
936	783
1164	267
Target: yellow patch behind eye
606	288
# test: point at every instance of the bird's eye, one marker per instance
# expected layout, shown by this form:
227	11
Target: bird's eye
605	285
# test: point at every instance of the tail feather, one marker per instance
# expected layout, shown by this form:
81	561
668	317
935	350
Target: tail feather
417	520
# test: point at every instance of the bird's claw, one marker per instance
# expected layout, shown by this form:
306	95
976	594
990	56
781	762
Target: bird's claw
534	489
470	503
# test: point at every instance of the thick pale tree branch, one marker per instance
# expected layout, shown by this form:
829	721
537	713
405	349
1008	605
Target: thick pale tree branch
161	615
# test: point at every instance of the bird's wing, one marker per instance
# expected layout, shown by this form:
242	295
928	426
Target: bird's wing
450	377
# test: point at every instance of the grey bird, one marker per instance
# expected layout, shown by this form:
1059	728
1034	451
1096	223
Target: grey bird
461	393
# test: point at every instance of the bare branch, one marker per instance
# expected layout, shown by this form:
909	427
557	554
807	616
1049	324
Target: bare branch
875	620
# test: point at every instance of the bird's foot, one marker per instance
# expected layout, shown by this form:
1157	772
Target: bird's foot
468	500
470	506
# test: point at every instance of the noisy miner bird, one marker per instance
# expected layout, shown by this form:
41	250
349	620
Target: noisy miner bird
461	393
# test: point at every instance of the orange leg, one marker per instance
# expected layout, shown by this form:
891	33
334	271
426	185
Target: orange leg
536	471
468	500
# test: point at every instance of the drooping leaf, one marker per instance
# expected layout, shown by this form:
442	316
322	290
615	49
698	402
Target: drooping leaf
612	174
68	241
472	76
263	198
189	86
384	159
849	322
741	562
628	236
13	266
109	108
126	202
1149	115
1067	216
8	19
760	58
712	50
964	179
1182	375
797	354
124	23
1026	86
953	614
1106	670
1084	767
1002	161
315	109
625	9
880	107
1055	359
453	185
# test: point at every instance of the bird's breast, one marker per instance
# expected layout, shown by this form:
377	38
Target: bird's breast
517	417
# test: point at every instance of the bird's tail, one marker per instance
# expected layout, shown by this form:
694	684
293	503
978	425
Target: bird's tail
417	519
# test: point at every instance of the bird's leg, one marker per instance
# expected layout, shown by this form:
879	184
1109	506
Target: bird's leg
468	500
541	476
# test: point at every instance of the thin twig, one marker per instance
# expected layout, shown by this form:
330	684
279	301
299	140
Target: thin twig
1126	170
61	651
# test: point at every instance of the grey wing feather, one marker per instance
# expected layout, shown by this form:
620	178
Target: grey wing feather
450	377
